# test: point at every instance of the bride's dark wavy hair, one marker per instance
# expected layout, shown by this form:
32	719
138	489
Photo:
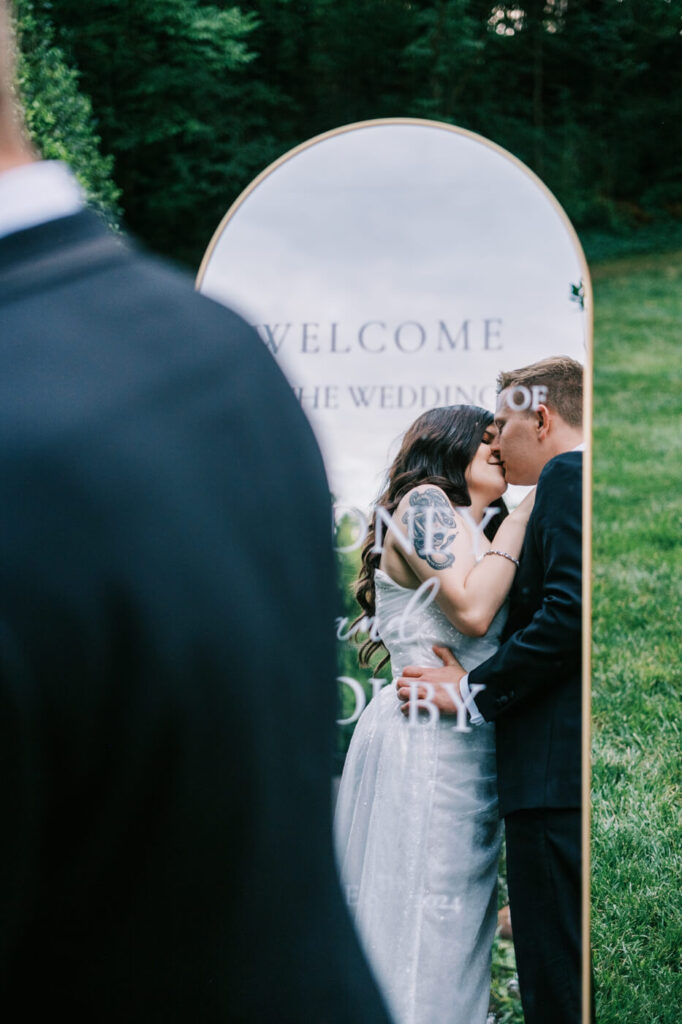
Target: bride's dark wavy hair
437	449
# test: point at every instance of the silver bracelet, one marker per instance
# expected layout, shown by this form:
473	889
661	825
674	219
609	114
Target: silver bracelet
503	554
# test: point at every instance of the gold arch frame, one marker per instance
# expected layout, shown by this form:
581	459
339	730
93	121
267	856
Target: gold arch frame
587	459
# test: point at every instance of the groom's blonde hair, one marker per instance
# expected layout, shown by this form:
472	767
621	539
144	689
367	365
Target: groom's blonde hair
563	378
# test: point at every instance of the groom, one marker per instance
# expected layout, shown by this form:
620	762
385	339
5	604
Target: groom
531	687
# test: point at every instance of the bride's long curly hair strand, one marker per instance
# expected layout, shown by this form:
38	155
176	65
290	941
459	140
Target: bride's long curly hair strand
437	449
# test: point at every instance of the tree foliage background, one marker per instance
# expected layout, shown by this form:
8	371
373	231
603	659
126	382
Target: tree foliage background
58	115
192	99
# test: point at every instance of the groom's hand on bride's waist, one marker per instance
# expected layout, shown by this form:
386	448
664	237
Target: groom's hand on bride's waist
414	679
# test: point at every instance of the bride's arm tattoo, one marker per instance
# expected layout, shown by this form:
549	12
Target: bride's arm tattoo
431	517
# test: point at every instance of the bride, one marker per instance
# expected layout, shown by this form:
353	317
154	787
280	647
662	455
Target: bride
416	828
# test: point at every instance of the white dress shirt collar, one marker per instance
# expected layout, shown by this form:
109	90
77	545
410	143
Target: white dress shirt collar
36	193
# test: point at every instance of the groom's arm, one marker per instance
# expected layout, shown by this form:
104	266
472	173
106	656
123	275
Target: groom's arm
548	649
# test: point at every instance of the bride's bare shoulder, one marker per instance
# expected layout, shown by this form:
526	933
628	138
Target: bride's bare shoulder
422	497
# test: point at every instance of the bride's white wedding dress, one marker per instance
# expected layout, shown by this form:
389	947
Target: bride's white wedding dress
417	832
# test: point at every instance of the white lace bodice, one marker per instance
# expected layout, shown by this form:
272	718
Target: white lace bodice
410	624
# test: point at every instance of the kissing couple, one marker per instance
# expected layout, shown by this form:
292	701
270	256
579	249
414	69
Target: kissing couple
418	818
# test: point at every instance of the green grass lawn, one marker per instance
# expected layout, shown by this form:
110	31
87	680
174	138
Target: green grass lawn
637	593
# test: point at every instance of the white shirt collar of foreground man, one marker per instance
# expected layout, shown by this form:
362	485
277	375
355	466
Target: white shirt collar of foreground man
36	193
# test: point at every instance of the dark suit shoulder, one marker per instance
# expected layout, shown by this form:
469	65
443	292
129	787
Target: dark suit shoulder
123	324
560	481
567	464
104	279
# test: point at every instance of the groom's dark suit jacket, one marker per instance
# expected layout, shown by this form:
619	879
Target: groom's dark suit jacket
533	682
167	688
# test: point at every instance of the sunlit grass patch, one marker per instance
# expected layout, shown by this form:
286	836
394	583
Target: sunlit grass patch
637	594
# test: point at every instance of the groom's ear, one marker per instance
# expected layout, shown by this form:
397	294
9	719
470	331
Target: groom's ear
543	418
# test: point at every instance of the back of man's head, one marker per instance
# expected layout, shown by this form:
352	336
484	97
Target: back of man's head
562	379
14	147
6	72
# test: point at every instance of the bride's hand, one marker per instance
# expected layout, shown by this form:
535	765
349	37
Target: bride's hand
451	672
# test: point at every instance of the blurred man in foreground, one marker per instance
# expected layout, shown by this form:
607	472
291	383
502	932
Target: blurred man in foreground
166	847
